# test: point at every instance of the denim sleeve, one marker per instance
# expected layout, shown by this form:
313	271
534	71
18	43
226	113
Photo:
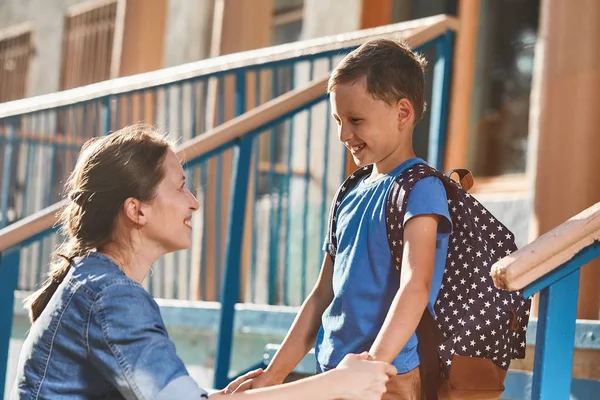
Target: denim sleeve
129	346
428	196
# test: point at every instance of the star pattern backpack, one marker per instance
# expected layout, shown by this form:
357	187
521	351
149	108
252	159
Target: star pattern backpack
467	349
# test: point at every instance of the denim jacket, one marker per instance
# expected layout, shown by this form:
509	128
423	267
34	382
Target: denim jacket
101	337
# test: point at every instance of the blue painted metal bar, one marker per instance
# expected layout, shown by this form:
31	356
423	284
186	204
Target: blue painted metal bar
230	292
583	257
218	191
9	278
7	173
256	155
273	273
117	103
553	361
240	108
141	105
203	178
439	100
95	123
84	122
324	205
71	150
231	284
288	219
129	109
311	73
105	116
154	96
190	173
253	282
26	198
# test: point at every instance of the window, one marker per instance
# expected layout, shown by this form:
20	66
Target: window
504	64
89	44
15	56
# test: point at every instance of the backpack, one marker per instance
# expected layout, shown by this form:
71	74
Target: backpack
467	350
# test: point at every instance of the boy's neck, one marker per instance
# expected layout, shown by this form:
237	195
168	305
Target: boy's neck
388	164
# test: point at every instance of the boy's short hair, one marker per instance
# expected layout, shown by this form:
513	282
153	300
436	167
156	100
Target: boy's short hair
392	71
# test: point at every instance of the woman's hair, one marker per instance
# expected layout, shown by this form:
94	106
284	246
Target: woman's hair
109	170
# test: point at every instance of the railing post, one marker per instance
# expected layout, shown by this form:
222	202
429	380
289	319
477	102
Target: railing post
9	277
104	116
7	173
230	292
555	340
440	95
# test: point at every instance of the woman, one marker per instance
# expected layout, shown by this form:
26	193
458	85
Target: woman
96	333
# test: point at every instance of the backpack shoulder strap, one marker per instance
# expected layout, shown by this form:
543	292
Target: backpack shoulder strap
348	184
427	331
396	205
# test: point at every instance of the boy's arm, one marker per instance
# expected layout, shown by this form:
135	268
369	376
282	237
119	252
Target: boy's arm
302	335
418	259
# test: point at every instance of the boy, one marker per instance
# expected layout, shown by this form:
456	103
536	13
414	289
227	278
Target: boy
361	302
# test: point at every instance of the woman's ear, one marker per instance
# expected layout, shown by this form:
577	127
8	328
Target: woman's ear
406	113
135	211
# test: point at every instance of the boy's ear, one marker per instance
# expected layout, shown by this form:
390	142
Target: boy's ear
406	113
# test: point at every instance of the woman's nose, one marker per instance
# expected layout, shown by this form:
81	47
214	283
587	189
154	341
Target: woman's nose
194	205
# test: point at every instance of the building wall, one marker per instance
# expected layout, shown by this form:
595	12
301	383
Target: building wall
189	31
187	39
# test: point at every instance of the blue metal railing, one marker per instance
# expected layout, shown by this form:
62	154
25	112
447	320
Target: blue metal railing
555	336
291	190
288	171
550	266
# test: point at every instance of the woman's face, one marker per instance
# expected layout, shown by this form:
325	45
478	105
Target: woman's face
169	215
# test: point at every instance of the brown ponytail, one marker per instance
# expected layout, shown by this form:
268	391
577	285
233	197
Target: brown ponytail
109	170
37	302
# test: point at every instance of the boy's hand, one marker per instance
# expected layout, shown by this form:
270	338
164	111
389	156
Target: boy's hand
361	379
263	380
233	386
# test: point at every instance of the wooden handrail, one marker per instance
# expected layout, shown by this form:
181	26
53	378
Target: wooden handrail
415	32
548	252
253	119
420	33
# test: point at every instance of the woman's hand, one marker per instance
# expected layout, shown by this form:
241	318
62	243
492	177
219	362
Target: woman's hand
362	379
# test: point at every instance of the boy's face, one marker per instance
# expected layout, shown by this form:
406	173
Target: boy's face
368	127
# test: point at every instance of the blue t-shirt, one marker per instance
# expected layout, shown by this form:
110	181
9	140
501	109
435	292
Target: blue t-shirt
364	278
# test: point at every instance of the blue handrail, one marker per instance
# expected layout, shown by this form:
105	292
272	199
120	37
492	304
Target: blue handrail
550	266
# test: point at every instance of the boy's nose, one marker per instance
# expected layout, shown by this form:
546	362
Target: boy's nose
344	133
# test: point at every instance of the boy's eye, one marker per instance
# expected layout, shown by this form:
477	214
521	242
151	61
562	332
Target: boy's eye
355	120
